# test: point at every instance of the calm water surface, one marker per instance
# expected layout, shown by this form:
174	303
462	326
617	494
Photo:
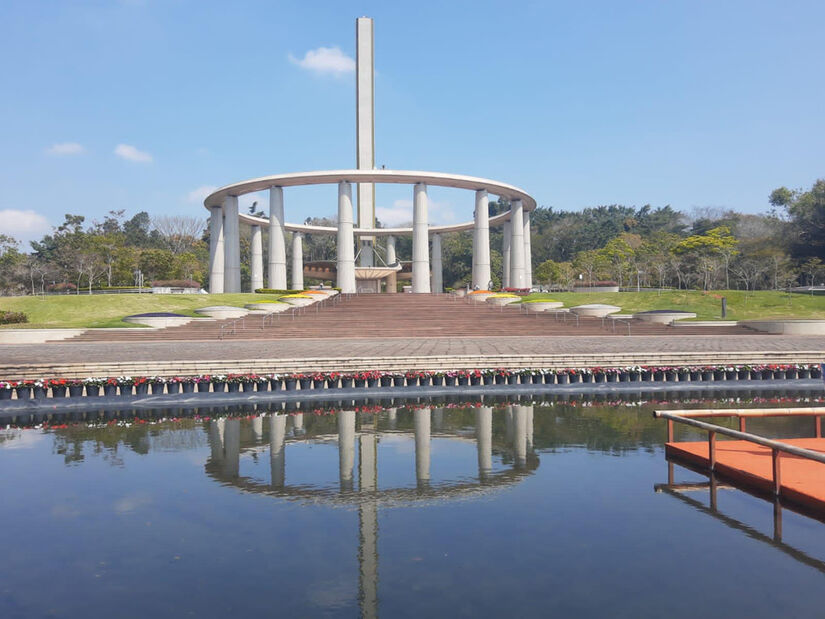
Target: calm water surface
511	510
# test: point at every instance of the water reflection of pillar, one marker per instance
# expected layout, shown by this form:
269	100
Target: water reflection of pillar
484	440
216	439
529	427
257	429
346	448
232	447
298	424
277	452
392	418
520	438
422	446
438	419
508	424
368	523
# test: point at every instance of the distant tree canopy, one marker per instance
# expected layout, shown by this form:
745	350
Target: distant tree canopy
646	246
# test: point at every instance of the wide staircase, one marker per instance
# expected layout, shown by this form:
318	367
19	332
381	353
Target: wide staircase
401	316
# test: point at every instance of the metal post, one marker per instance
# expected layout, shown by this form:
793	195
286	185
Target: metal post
669	430
777	471
818	426
742	424
712	450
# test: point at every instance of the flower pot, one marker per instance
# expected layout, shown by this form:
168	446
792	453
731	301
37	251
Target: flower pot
791	374
501	379
372	383
438	381
489	379
671	376
360	383
187	387
274	384
658	376
23	393
5	394
157	388
695	375
512	379
248	386
707	375
563	379
93	391
526	379
125	391
39	393
475	381
386	381
233	387
59	392
816	372
624	377
75	391
767	374
719	375
450	381
463	381
305	383
756	374
779	374
318	383
647	375
586	378
346	383
635	376
110	391
743	374
142	389
399	381
203	387
599	377
803	373
730	374
612	377
173	387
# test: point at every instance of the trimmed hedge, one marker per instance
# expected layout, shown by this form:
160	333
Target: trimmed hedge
12	318
276	291
176	283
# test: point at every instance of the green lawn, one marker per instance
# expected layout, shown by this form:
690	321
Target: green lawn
708	306
107	310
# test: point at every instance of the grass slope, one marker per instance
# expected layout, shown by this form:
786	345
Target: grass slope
707	306
107	310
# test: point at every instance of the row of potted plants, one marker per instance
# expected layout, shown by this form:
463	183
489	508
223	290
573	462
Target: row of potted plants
144	385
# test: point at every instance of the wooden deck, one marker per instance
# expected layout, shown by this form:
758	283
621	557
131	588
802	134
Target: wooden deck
751	466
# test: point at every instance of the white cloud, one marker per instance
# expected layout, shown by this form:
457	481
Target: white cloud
325	60
130	153
23	225
197	196
401	213
65	148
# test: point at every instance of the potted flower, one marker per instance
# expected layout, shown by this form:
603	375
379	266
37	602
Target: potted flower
58	387
125	384
791	372
730	373
743	372
816	371
347	381
141	384
450	378
695	374
563	377
157	383
684	374
5	390
779	372
512	378
438	379
488	377
634	373
803	371
373	378
39	388
756	372
110	387
411	378
218	382
360	380
599	375
719	373
387	379
476	377
203	382
275	382
647	374
585	373
92	386
463	378
75	387
501	376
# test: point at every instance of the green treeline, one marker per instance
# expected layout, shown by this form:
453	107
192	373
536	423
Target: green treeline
645	247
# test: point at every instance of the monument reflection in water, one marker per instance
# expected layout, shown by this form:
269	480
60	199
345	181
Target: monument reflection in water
354	428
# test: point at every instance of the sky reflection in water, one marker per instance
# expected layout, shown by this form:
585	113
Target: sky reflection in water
529	510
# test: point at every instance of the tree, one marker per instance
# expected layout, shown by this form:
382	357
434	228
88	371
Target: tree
179	232
806	210
707	250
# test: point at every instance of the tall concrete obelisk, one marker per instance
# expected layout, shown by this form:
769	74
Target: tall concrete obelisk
365	132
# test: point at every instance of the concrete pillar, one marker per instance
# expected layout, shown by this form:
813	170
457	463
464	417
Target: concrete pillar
422	445
365	132
481	241
438	271
216	250
420	249
216	440
257	260
297	261
520	435
484	440
529	427
277	451
346	448
505	254
346	240
232	246
528	252
391	257
277	245
516	244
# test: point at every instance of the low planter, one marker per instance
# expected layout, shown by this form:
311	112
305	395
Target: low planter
449	381
274	384
475	381
489	379
684	376
290	384
59	391
372	383
563	379
305	383
319	383
463	381
248	386
109	390
75	391
93	391
386	381
360	383
399	381
39	393
438	381
23	393
187	387
142	389
233	387
5	394
203	387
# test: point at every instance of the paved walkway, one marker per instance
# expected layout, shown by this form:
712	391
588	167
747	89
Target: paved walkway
77	352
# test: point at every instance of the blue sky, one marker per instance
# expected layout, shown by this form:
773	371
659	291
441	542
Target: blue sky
144	104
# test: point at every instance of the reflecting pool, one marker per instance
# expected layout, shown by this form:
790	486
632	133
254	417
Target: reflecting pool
495	508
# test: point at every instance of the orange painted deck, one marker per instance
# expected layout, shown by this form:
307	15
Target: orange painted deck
750	465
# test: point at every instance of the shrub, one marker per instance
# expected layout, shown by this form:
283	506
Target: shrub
62	287
276	291
12	318
176	283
